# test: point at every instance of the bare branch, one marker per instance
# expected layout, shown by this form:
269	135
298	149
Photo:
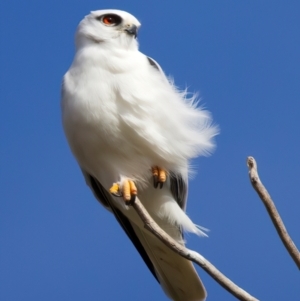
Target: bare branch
273	213
152	226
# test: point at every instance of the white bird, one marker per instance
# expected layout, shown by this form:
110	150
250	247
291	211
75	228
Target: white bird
126	123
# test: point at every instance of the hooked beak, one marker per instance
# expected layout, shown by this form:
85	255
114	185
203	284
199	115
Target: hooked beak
132	30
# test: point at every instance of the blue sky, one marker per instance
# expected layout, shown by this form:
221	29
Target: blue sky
58	243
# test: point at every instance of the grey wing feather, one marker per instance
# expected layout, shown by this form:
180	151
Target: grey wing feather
176	275
179	189
104	197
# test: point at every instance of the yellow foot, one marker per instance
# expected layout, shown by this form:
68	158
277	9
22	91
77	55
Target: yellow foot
159	177
127	190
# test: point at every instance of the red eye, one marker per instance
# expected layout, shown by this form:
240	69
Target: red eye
111	20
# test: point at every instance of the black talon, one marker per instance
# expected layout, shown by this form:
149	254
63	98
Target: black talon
155	181
131	201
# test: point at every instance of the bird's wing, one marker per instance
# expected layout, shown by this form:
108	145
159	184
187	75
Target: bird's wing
179	189
154	63
105	198
176	275
156	66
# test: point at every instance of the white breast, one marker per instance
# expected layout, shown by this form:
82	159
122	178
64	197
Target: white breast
120	113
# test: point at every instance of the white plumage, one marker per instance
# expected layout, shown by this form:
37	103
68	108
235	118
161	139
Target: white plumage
121	116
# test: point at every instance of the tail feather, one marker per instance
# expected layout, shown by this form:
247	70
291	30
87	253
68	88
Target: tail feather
176	274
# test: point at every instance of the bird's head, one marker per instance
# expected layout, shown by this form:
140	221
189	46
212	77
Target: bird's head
108	27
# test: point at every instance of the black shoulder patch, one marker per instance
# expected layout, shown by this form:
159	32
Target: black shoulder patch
178	189
153	63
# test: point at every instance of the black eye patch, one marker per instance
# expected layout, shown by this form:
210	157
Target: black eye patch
110	19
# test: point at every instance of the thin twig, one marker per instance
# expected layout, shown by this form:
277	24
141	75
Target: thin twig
152	226
273	213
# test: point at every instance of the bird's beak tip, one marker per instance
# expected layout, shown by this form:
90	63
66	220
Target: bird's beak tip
132	30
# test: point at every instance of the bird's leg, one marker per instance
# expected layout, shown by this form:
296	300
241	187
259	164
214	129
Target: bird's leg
127	189
159	176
